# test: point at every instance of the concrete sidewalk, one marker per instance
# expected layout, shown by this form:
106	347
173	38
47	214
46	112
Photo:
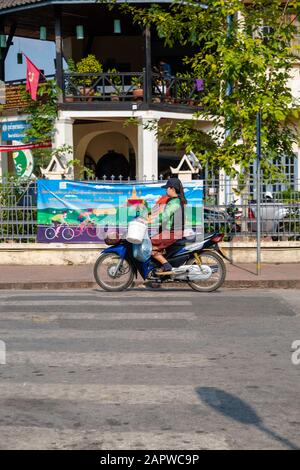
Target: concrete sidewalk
284	276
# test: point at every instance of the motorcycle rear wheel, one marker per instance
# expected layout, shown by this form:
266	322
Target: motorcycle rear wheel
104	273
214	261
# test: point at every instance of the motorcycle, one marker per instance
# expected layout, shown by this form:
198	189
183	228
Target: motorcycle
234	219
197	263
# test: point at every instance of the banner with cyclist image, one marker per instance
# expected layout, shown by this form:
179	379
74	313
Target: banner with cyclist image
81	212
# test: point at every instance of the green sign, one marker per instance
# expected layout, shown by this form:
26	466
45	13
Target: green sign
23	161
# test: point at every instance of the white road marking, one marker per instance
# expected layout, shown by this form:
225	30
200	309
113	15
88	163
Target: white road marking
104	359
37	437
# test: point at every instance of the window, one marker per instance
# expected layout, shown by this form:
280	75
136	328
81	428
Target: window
289	167
295	44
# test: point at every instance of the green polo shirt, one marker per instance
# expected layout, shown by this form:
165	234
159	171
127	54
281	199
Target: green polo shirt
166	218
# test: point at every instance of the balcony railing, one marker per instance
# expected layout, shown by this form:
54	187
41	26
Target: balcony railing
89	87
132	86
178	90
121	87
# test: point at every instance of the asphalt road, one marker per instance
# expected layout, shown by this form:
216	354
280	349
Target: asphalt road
164	369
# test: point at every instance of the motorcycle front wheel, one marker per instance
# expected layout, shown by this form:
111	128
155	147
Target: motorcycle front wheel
113	274
215	262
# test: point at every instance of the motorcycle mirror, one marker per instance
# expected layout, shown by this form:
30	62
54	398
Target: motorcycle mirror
269	195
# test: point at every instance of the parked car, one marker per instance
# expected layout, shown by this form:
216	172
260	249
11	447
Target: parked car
272	216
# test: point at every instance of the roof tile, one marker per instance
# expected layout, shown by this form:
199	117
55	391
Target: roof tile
5	4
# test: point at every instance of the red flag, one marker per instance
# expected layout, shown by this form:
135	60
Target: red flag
32	78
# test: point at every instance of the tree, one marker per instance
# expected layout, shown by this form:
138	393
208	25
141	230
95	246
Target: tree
41	119
246	64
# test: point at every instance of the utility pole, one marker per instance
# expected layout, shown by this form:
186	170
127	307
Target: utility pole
258	183
229	90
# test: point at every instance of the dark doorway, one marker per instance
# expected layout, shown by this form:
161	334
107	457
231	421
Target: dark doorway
112	164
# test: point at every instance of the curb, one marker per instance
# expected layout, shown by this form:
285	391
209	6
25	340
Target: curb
65	285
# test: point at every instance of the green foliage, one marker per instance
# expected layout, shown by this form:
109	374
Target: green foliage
116	81
10	190
88	64
256	62
42	113
186	135
41	119
83	172
70	87
288	196
71	65
185	86
41	159
137	81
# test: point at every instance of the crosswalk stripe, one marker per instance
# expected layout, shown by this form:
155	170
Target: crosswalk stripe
39	437
103	394
113	303
177	335
104	359
87	293
96	316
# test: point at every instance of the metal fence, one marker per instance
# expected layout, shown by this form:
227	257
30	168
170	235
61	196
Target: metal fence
233	210
227	208
18	211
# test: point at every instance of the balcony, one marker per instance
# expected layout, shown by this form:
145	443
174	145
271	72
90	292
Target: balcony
125	49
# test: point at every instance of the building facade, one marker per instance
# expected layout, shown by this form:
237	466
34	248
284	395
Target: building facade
138	78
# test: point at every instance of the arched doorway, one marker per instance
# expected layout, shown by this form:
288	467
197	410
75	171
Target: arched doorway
113	163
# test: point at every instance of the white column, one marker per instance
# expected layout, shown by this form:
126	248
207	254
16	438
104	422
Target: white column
147	161
63	137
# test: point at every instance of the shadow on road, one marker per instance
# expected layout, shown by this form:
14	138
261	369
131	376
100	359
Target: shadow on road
237	410
242	268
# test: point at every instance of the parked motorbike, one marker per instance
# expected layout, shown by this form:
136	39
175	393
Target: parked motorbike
233	219
197	263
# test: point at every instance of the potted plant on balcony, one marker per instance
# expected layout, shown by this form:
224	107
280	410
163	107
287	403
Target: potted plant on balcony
116	84
137	83
185	89
88	64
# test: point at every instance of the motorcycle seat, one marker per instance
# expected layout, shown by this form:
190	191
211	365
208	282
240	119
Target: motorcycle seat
176	246
179	244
